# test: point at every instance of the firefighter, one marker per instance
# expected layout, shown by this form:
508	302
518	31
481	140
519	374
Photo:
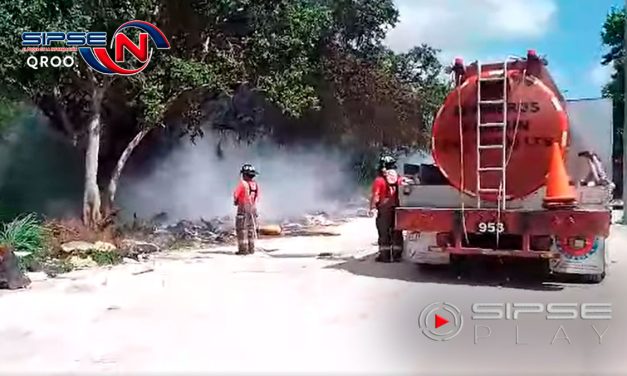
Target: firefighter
384	200
245	198
596	174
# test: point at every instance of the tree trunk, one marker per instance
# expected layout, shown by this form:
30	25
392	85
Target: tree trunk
91	199
126	154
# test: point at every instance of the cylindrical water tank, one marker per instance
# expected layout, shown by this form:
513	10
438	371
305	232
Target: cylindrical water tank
536	117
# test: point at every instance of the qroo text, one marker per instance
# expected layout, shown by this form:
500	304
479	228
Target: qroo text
37	62
551	311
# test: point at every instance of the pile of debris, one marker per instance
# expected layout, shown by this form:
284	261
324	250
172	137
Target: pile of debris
316	224
185	233
167	234
215	231
221	230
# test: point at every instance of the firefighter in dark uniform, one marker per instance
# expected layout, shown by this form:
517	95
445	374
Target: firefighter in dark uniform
245	198
384	200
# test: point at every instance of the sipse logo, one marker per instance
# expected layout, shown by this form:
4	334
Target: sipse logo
98	57
72	39
440	321
552	311
92	47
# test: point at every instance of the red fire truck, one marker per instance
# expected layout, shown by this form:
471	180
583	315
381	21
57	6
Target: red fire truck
485	193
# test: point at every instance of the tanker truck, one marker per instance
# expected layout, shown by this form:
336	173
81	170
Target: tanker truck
509	156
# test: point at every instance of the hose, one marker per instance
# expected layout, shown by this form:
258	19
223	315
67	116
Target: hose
461	157
524	76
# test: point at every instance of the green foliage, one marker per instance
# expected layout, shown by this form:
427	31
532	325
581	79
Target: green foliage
301	55
9	111
613	37
386	100
105	257
24	233
363	23
284	54
421	69
64	95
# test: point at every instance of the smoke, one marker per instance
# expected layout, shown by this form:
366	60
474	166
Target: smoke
194	182
39	170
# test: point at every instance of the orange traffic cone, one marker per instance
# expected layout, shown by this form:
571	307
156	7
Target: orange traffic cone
559	193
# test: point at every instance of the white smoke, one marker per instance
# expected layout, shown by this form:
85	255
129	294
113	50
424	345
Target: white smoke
192	182
39	170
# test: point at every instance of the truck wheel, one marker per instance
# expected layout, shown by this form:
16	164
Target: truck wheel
592	278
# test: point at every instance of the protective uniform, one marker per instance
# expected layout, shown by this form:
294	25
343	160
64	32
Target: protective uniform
596	174
245	198
385	199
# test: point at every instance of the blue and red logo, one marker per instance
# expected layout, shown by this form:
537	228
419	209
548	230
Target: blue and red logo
92	46
99	59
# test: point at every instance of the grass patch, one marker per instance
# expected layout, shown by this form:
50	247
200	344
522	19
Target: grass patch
105	257
25	233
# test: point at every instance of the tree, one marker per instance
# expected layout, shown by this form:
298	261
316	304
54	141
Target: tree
74	97
275	49
222	44
297	54
420	69
268	46
9	111
613	36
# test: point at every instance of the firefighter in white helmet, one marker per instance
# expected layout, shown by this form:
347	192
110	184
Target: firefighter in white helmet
245	198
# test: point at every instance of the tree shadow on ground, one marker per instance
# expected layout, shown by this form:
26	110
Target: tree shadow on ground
480	272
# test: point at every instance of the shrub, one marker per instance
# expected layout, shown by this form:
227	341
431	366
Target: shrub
24	233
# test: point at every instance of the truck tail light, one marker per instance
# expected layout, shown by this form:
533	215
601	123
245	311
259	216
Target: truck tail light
540	243
444	239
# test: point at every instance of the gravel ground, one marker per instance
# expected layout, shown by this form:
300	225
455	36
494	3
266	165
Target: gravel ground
286	310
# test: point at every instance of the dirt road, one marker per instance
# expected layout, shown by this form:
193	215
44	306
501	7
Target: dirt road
287	310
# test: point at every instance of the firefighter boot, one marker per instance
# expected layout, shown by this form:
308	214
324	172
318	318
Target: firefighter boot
385	254
397	246
384	225
397	254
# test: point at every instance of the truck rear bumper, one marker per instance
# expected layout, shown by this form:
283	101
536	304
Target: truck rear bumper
538	222
501	253
526	224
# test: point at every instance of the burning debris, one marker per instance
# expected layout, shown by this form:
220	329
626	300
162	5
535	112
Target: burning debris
215	231
221	230
184	233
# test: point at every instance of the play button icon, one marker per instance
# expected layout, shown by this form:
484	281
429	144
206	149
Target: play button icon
440	321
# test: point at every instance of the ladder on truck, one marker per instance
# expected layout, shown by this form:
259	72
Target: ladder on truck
495	76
